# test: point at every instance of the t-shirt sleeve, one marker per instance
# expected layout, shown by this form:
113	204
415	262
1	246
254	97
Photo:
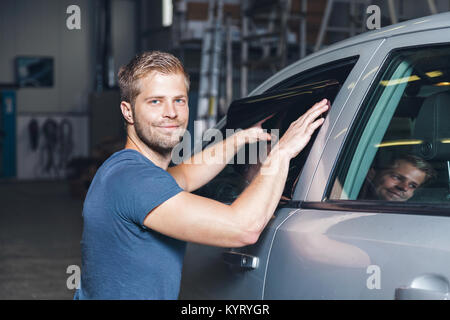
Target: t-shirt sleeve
143	189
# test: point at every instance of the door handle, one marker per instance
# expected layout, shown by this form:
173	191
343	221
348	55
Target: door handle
241	260
425	287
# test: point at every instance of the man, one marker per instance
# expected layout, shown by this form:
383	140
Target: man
139	213
398	180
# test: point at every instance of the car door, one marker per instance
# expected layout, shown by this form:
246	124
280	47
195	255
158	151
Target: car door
342	244
221	273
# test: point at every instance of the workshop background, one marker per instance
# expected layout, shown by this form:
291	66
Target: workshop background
60	116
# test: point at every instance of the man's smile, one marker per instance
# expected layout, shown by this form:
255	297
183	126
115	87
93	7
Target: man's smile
169	127
394	194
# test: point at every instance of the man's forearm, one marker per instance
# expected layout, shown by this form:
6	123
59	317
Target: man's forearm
255	206
203	166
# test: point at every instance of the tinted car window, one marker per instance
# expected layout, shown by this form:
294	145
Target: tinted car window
284	102
399	149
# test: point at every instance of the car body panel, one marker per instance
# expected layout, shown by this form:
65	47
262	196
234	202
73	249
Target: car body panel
338	255
403	247
204	268
241	284
330	254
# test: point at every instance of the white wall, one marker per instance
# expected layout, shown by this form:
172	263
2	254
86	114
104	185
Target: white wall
38	28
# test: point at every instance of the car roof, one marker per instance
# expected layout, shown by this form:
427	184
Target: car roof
437	21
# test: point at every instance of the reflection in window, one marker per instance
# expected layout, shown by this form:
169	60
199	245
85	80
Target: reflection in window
397	150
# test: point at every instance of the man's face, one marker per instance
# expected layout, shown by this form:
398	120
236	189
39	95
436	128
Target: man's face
398	183
161	111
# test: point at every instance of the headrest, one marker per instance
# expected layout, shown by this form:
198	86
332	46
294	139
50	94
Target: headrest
433	127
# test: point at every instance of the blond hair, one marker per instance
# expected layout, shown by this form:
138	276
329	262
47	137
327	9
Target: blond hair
141	66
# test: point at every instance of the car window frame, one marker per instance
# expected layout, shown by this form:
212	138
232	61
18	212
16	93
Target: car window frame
348	145
377	130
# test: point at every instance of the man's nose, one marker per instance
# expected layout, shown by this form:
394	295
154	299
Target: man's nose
169	110
403	186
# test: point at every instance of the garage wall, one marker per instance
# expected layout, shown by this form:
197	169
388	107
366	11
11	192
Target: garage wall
38	28
35	164
123	31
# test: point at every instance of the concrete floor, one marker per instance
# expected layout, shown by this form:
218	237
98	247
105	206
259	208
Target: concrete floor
40	232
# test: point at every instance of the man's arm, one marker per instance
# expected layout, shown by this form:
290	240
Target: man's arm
203	166
197	219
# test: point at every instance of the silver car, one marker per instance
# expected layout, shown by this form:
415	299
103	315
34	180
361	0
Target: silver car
365	213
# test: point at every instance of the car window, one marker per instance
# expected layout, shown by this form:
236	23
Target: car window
284	102
399	148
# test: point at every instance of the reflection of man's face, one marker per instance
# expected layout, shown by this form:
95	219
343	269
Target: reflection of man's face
398	183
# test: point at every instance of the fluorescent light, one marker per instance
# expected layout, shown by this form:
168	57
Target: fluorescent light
433	74
442	84
395	82
398	143
167	13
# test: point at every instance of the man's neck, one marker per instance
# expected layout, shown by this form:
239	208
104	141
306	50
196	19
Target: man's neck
158	159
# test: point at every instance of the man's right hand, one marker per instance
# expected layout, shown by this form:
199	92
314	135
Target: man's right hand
193	218
300	131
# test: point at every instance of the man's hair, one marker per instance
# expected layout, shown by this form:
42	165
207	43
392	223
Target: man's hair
416	161
141	66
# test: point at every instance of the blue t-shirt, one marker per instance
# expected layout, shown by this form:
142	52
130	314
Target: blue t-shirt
121	258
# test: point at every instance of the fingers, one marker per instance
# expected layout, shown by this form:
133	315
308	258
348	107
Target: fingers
317	109
258	124
313	126
316	112
254	134
312	114
262	135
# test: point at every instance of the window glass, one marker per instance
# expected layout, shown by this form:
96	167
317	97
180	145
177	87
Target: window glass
285	102
399	149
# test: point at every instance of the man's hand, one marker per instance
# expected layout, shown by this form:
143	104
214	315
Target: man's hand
300	131
204	166
253	134
193	218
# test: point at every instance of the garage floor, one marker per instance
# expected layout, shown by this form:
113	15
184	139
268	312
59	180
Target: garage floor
40	232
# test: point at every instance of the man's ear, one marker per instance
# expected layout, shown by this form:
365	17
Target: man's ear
371	174
127	112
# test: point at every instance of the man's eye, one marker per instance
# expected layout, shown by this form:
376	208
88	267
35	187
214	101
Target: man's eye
154	101
180	101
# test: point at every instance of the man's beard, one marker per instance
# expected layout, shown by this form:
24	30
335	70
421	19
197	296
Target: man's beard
157	142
